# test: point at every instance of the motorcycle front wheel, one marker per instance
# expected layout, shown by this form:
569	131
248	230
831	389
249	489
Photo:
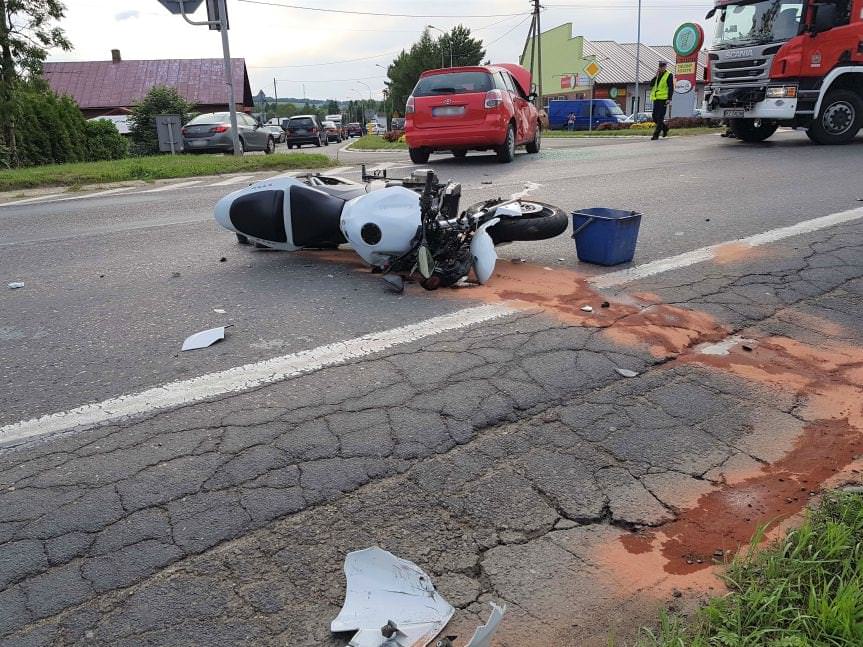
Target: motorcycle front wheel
538	221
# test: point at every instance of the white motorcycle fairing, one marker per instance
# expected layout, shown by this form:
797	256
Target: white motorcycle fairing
482	251
262	213
383	224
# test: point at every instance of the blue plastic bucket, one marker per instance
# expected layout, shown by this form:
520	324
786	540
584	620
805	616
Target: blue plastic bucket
605	236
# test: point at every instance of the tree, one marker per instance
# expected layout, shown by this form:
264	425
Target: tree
404	72
160	100
27	32
333	107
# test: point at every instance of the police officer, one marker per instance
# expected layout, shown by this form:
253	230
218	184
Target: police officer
661	89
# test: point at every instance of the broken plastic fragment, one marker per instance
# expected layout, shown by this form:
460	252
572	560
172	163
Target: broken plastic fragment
587	308
219	311
384	590
625	372
204	338
16	285
482	635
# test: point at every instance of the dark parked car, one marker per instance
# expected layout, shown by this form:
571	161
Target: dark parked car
211	133
305	129
355	129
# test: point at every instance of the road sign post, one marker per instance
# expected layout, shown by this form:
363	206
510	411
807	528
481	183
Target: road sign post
217	12
591	70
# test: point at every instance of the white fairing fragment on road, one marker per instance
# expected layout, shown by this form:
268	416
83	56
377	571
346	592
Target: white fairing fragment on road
482	635
383	588
204	338
482	251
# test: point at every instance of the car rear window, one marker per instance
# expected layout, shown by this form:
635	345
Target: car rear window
210	118
301	123
455	83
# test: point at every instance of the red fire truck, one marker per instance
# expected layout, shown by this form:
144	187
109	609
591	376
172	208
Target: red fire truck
787	63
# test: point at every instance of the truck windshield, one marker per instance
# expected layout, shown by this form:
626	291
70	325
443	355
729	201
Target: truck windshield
752	23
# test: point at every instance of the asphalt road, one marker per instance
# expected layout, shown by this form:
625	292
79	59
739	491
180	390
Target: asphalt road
509	458
104	269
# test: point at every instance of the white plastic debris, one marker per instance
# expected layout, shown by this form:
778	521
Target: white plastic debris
587	308
625	372
482	635
382	590
204	338
529	187
16	285
219	311
723	347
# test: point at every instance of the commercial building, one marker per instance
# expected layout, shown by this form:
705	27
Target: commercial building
112	88
564	57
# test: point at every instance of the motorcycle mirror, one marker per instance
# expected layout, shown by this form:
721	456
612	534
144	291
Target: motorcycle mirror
425	261
395	282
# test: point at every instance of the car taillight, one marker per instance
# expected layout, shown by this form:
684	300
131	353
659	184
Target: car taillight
493	98
184	132
219	129
314	131
410	106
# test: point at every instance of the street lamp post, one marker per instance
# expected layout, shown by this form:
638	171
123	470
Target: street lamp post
367	88
637	104
450	45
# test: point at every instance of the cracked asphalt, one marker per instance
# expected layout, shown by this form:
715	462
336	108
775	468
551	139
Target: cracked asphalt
510	460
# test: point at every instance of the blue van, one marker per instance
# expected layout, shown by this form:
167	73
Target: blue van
605	111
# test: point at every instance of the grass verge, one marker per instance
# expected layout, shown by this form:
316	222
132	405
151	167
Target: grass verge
154	168
377	143
804	590
638	132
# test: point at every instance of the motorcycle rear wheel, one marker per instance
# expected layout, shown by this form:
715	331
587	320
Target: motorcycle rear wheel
538	222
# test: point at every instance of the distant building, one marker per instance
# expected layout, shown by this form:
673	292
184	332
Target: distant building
565	55
103	88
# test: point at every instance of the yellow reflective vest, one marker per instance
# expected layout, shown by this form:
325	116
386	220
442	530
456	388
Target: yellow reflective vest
659	89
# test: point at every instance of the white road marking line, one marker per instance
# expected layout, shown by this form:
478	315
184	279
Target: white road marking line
93	195
233	180
340	169
26	200
243	378
708	253
170	187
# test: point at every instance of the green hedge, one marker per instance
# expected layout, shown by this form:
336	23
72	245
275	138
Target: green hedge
50	129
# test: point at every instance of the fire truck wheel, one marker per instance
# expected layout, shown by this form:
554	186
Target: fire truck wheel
840	118
753	130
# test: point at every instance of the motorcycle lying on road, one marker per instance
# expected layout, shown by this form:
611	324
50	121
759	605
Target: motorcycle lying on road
399	227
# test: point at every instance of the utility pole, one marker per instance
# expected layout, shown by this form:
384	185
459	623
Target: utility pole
276	95
637	104
538	38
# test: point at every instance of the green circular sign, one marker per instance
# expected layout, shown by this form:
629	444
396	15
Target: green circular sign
688	39
613	93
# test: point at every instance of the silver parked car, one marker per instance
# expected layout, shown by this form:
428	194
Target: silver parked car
211	133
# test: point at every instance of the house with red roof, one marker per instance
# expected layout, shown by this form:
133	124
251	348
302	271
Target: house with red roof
104	88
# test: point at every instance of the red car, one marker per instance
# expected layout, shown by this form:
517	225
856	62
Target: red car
472	108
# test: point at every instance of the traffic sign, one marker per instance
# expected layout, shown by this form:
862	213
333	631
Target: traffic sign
592	69
174	6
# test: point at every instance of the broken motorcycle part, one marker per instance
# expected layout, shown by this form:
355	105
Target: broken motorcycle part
386	593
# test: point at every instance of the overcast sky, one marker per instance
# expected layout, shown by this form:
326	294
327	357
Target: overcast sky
300	47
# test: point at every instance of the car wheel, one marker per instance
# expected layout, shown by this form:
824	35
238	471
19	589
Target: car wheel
419	155
271	146
534	146
753	130
839	120
459	154
506	153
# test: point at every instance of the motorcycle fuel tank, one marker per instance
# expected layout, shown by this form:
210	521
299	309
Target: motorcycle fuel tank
382	224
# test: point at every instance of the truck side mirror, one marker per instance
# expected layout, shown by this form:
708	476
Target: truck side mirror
825	18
